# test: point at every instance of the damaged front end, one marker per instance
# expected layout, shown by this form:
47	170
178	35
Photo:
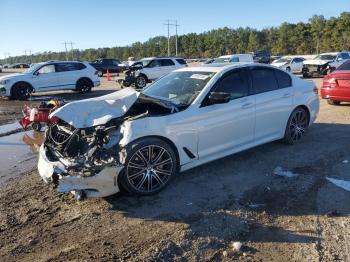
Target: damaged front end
83	154
82	160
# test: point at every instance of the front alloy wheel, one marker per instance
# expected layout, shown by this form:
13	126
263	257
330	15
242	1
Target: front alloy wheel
149	168
297	126
140	82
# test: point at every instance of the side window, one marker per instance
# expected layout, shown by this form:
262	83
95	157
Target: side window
115	63
154	63
283	79
297	60
47	69
263	80
64	67
234	59
166	62
181	61
235	84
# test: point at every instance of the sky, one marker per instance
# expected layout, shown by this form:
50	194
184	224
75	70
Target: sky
40	25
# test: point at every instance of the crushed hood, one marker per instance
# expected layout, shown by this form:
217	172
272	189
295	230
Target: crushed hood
316	62
279	64
97	111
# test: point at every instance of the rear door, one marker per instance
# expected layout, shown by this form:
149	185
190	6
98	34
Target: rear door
274	98
67	74
229	126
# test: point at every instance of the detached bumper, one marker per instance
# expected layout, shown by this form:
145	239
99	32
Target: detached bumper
102	184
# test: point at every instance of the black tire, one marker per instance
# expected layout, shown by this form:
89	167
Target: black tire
306	75
36	126
84	85
21	91
141	81
150	165
297	126
333	103
99	73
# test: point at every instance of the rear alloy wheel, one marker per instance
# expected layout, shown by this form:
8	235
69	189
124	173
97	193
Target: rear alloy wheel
297	126
140	81
333	103
84	86
21	91
149	167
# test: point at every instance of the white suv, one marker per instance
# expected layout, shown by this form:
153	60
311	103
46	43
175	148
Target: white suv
50	76
153	68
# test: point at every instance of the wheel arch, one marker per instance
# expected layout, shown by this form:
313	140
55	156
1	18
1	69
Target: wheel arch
18	82
164	139
306	109
85	78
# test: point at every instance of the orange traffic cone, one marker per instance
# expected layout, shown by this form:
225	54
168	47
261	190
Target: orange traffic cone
108	76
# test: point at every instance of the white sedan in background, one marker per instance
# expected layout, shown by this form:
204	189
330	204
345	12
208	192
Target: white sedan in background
194	115
290	64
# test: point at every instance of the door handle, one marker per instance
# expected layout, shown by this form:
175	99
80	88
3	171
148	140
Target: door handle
286	95
247	105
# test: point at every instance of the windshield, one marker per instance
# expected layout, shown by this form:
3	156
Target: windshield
283	60
325	57
145	62
180	88
32	69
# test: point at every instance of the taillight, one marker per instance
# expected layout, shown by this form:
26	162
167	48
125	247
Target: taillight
330	82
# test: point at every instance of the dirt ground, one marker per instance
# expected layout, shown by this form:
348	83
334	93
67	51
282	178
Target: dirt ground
201	213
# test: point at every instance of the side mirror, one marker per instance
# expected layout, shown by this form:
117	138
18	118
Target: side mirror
36	73
219	98
339	59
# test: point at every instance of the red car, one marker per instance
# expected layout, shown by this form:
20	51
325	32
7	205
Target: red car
336	85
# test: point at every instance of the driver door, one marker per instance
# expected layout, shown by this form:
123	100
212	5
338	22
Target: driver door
45	78
224	128
153	70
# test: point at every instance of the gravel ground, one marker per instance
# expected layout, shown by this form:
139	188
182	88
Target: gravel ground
201	213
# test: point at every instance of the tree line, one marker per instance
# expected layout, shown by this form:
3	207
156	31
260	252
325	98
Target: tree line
316	36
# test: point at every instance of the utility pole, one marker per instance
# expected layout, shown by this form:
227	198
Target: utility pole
176	26
71	48
168	24
26	53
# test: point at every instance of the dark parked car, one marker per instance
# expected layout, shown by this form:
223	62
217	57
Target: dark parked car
262	56
19	65
102	65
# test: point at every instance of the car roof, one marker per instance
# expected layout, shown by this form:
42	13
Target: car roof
220	67
228	56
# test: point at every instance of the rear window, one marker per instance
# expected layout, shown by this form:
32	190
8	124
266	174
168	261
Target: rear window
283	79
344	66
181	61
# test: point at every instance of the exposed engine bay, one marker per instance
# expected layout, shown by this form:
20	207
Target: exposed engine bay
86	151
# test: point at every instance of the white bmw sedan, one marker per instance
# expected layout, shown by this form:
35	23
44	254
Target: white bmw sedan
141	140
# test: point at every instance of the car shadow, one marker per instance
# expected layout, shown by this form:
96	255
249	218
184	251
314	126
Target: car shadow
213	195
